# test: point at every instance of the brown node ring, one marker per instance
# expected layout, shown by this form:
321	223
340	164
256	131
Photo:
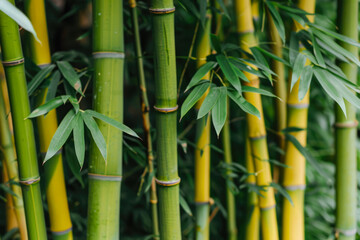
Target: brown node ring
101	177
13	63
346	233
132	3
168	183
295	187
162	10
30	181
257	137
347	124
166	110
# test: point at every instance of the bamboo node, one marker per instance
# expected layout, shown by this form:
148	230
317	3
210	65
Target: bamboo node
257	137
162	10
13	63
132	3
41	66
99	55
102	177
298	106
267	208
202	203
346	124
153	201
295	187
59	233
345	232
30	181
166	110
168	183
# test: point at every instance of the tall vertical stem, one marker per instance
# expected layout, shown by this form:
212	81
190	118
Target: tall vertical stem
256	128
60	223
346	132
145	117
166	121
13	62
294	176
105	174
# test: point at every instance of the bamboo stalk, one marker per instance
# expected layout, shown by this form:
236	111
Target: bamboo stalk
23	129
108	53
166	121
256	128
294	176
279	88
202	151
253	214
145	117
346	133
11	221
230	198
60	223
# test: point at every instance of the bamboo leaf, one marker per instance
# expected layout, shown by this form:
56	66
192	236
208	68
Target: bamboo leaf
223	7
193	98
305	80
39	78
294	48
260	91
122	127
75	103
48	106
203	6
215	43
298	67
61	135
200	73
238	62
209	102
70	75
279	24
95	133
283	192
19	17
317	51
243	104
71	160
190	7
185	205
239	73
219	112
54	82
228	72
79	139
271	55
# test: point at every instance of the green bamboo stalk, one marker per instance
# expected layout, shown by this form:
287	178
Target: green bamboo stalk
230	198
24	134
146	118
346	132
105	174
166	121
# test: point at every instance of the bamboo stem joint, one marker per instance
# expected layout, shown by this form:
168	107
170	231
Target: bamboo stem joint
13	63
102	177
97	55
168	183
161	10
166	110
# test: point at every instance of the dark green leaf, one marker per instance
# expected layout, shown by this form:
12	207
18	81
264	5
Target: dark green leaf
228	72
279	24
193	98
305	80
219	112
239	73
39	78
317	51
79	139
243	104
200	73
48	106
54	82
61	135
299	65
271	55
75	103
260	91
215	43
209	102
70	75
122	127
70	157
294	48
190	7
223	7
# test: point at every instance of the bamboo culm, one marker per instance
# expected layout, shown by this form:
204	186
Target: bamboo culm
146	118
108	54
346	132
166	120
60	223
13	61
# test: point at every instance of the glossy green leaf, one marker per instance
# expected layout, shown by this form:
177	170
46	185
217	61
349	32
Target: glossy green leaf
239	73
70	75
209	102
200	73
48	106
279	24
219	111
228	72
122	127
61	135
271	55
19	17
260	91
185	206
95	133
299	65
79	139
317	51
305	80
243	104
238	62
39	78
75	103
193	98
54	82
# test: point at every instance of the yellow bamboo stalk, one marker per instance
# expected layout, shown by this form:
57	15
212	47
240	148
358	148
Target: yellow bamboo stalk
11	221
60	223
256	128
294	176
202	151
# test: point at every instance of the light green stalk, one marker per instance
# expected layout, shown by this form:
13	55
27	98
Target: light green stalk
23	129
146	119
105	174
166	121
346	133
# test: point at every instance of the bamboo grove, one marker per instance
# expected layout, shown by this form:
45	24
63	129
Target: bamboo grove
162	119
